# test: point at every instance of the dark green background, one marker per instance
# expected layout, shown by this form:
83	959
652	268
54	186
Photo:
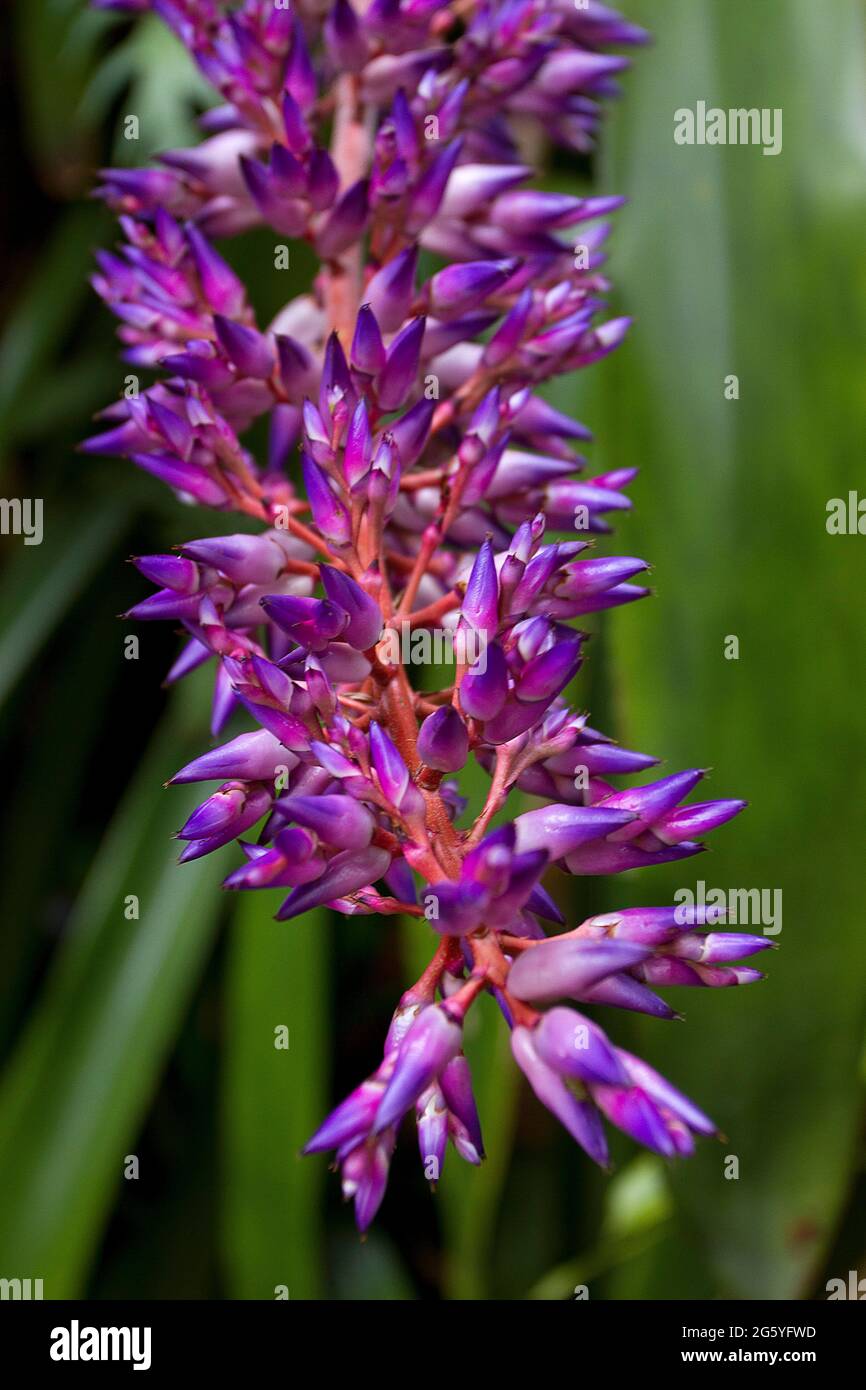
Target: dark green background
155	1038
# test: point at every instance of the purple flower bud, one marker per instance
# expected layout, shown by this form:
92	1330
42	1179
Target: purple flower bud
296	367
247	349
687	822
359	445
484	688
509	334
527	211
390	292
246	559
541	903
427	195
403	123
345	38
365	617
480	606
460	287
199	364
224	816
432	1118
651	801
600	760
222	288
664	971
351	1121
587	577
400	372
411	431
300	75
623	992
169	571
323	181
567	72
579	1117
252	757
430	1043
296	128
187	479
604	857
174	427
454	909
167	603
311	622
329	513
443	742
472	186
368	350
632	1111
567	966
600	26
712	948
391	770
345	874
575	1046
365	1176
293	860
336	385
665	1095
345	223
337	820
650	926
561	829
456	1083
547	673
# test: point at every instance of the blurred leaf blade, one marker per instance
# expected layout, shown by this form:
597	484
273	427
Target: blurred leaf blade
76	1089
274	1098
35	596
57	44
711	260
164	90
43	313
470	1196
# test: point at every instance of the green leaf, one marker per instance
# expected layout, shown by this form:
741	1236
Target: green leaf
44	580
274	1098
42	315
637	1210
471	1196
163	89
738	263
370	1271
56	46
36	866
76	1090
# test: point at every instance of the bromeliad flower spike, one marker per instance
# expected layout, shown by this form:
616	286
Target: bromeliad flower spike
416	483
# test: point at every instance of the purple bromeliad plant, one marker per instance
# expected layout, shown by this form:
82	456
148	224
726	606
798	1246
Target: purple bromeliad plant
412	480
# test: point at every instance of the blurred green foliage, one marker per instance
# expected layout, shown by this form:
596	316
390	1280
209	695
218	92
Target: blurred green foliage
155	1036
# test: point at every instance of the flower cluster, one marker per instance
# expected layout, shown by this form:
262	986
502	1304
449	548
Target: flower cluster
415	481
